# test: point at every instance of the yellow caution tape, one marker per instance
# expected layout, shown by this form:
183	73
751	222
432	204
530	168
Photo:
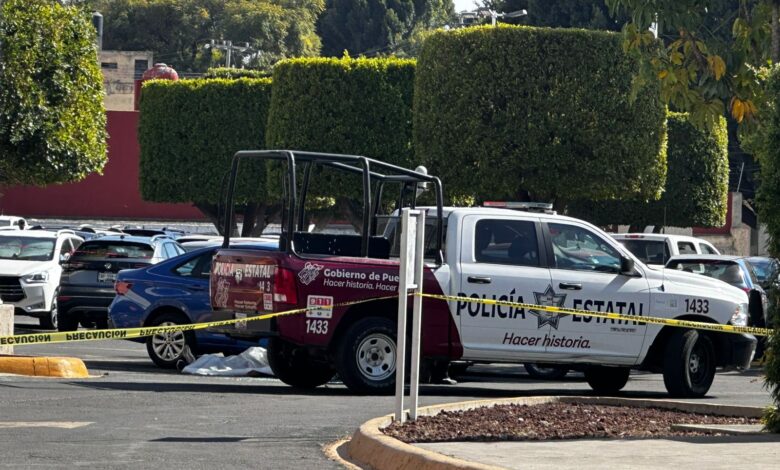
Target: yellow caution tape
611	316
131	333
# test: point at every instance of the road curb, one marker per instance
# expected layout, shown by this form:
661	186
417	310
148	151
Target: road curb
370	447
67	367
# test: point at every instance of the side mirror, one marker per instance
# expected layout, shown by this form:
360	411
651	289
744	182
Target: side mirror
626	265
64	257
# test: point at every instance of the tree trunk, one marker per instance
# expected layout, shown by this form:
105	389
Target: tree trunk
775	52
216	215
636	228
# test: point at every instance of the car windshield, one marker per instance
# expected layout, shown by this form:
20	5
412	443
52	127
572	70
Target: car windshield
648	251
107	249
765	269
27	248
726	271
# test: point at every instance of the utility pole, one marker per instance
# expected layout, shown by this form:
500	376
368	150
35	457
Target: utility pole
228	47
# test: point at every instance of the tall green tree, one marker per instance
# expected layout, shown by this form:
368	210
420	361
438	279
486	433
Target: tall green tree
378	26
52	119
177	30
586	14
709	54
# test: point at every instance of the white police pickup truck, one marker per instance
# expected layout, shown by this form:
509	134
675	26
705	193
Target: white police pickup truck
477	253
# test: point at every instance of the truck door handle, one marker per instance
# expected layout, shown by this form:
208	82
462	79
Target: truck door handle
479	280
570	285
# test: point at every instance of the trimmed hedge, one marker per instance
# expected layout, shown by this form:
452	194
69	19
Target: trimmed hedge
503	110
231	72
189	131
52	118
697	180
352	106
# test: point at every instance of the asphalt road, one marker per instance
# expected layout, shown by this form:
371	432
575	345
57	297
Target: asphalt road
131	414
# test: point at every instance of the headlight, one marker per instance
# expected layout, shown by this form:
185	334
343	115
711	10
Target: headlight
36	278
740	316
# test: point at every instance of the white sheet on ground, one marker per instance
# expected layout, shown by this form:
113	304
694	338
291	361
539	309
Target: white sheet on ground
250	362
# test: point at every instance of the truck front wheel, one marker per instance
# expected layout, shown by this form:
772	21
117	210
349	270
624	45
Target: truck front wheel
689	364
367	355
294	367
607	380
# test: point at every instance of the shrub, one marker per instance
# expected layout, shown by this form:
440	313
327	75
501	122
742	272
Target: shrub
189	131
696	192
230	72
501	111
351	106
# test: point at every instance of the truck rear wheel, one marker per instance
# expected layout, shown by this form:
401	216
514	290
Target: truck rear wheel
689	364
294	367
367	355
607	380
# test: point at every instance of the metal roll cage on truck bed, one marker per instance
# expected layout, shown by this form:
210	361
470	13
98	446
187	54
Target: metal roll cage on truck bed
496	291
370	171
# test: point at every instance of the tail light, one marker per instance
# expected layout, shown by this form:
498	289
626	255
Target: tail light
285	288
122	287
72	266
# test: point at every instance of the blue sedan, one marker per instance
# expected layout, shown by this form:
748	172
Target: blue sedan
173	292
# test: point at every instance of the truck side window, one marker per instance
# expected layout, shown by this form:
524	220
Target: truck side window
686	248
580	249
511	242
706	249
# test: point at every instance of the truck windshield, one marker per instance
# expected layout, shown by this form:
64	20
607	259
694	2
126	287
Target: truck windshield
648	251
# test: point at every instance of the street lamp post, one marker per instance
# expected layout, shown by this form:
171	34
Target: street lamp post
494	15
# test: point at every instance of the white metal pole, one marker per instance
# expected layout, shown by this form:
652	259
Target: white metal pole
400	356
419	257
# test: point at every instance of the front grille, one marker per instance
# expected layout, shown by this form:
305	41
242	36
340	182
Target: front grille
11	289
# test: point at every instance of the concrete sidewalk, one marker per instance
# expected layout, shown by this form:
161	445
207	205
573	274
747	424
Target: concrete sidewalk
723	452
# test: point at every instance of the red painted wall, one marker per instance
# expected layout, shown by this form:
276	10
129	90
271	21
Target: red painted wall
114	194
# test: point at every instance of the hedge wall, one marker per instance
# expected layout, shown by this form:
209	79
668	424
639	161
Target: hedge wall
499	110
697	180
231	72
353	106
189	131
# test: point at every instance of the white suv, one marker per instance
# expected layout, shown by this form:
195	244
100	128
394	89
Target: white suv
30	270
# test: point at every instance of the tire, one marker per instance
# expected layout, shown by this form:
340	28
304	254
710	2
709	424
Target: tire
689	364
50	321
367	355
458	368
546	372
293	366
607	380
166	349
66	322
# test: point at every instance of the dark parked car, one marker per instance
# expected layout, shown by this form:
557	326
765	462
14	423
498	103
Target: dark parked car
766	269
173	292
87	282
734	270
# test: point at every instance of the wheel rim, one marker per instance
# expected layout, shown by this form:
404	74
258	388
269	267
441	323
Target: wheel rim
54	315
698	364
376	357
169	346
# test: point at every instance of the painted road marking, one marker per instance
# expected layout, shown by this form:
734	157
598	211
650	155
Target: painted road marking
44	424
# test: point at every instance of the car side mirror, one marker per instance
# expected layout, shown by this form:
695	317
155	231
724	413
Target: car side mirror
626	265
64	257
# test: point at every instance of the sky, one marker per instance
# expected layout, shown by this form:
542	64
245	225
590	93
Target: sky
467	5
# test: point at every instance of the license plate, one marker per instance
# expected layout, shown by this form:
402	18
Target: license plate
241	325
106	277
